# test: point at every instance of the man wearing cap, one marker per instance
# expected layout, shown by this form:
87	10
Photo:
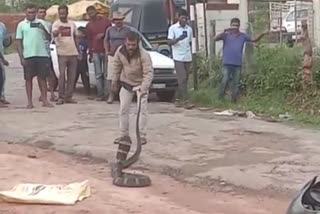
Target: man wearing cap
114	38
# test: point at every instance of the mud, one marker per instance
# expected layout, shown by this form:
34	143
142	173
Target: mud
164	196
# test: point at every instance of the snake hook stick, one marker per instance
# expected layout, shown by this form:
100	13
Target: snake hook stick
124	179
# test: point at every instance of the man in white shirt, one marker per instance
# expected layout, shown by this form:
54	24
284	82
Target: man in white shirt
64	32
180	36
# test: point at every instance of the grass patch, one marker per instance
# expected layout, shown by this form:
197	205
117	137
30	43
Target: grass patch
269	105
270	85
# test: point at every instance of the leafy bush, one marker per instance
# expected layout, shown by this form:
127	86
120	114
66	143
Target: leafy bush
274	70
4	8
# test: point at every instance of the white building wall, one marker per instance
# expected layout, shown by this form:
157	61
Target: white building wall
316	9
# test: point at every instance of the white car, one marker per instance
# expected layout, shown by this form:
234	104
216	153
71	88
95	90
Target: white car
165	81
288	22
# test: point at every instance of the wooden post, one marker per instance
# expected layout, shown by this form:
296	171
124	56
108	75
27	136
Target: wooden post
295	21
281	24
213	34
205	28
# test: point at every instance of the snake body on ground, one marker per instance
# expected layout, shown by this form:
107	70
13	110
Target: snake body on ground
124	179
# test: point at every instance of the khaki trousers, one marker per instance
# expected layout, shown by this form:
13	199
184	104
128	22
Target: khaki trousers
124	113
67	64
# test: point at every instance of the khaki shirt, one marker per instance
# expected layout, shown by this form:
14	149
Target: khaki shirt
134	71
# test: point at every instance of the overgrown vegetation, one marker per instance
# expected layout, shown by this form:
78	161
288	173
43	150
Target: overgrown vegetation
271	77
270	84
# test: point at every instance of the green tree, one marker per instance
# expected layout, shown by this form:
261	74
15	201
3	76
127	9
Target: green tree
49	3
19	4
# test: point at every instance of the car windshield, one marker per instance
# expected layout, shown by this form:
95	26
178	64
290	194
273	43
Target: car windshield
300	15
144	42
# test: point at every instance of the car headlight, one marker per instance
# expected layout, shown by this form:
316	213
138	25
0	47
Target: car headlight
174	71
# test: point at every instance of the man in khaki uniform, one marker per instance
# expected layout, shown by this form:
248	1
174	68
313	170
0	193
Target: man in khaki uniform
133	67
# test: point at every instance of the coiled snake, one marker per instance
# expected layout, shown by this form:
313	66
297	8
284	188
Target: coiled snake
124	179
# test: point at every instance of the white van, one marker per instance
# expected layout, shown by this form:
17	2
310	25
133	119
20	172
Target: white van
165	82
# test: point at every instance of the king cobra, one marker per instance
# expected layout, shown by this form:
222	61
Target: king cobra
124	179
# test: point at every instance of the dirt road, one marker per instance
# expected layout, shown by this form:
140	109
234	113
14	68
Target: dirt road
166	196
221	154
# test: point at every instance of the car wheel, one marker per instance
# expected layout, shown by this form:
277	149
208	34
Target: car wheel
166	96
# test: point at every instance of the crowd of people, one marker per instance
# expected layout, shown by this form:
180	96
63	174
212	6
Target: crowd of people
95	43
120	63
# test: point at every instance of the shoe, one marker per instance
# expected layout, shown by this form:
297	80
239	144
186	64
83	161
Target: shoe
2	105
143	140
53	99
110	98
188	105
178	104
71	101
121	139
60	101
5	102
100	99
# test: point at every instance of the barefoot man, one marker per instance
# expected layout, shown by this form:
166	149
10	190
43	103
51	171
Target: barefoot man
42	13
32	34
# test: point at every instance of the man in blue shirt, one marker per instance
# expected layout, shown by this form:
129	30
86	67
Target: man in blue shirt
233	44
2	62
3	36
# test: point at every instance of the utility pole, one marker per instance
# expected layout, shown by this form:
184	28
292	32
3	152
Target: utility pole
295	21
193	19
281	24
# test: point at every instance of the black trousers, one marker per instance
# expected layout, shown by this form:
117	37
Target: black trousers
83	72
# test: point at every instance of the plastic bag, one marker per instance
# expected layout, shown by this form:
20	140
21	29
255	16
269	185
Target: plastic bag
47	194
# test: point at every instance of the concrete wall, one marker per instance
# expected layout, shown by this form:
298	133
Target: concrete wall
222	20
11	20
